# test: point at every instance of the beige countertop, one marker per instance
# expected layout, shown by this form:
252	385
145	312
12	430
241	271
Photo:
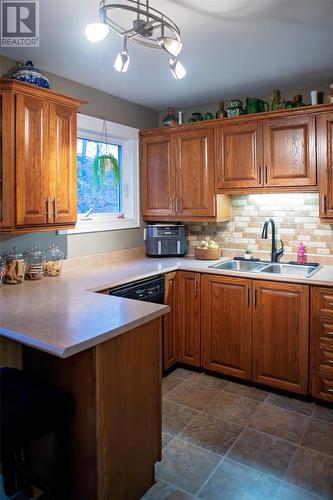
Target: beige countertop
64	316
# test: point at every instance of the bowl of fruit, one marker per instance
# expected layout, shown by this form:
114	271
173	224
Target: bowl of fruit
208	250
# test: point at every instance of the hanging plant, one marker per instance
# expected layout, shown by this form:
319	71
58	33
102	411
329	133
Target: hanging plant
105	163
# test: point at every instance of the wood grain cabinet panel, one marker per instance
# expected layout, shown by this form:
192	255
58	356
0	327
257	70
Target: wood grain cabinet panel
63	138
157	176
226	325
239	155
170	337
290	151
188	329
325	165
32	160
281	335
195	193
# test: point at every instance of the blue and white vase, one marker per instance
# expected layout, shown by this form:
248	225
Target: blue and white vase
32	75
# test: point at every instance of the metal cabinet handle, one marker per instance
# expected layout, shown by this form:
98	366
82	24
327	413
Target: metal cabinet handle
266	174
176	204
330	390
196	291
255	297
260	174
324	198
55	209
48	208
248	296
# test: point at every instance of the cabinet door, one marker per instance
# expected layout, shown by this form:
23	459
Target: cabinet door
281	335
7	159
239	156
195	193
290	151
188	329
32	161
169	321
63	163
226	325
157	176
325	165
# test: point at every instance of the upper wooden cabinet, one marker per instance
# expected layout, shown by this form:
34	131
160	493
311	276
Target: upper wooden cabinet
281	335
325	165
239	156
157	176
38	158
194	162
178	176
274	153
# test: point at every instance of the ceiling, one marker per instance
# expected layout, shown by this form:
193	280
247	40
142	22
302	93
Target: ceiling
231	47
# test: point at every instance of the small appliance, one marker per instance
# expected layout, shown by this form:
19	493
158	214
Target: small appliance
166	240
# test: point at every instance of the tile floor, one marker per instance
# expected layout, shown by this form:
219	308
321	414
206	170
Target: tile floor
227	441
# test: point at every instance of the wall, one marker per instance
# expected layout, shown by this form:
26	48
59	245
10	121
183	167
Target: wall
100	105
286	94
296	217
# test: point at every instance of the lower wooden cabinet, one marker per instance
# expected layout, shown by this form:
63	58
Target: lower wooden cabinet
188	318
170	337
281	335
226	325
322	343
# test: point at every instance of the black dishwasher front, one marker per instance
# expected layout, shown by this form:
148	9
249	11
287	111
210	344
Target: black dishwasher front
147	290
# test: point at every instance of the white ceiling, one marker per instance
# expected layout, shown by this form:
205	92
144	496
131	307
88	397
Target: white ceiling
231	47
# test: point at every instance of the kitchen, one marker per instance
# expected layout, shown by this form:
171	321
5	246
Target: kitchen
217	381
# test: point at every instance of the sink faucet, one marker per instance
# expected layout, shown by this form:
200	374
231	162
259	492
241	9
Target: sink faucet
275	253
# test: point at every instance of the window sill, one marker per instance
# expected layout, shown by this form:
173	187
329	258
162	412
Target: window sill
96	227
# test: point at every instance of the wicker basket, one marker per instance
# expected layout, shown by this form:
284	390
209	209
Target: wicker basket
207	254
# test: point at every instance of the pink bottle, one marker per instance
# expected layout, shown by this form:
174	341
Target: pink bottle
301	253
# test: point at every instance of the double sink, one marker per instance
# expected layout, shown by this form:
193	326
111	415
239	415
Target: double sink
297	271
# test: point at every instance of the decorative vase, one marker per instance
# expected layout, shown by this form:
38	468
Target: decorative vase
221	113
209	116
180	117
170	119
298	101
32	75
276	99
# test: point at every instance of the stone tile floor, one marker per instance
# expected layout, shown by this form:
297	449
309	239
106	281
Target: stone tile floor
228	441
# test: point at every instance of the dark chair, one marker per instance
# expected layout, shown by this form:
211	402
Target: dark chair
31	409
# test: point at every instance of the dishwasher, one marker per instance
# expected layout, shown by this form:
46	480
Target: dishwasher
147	290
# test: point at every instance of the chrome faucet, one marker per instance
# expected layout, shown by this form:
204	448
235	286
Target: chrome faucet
275	253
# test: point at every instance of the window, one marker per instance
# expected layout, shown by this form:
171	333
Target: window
106	200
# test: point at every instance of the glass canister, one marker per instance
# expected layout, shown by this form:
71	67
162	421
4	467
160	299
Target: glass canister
2	270
54	261
35	261
15	268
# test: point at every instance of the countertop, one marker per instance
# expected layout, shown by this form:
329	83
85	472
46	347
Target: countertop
64	316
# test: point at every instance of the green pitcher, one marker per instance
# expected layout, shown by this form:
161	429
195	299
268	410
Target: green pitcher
255	105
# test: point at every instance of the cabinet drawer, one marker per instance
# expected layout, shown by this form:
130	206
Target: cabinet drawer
322	387
322	301
326	358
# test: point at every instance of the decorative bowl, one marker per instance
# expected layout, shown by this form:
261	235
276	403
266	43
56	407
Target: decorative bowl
207	254
32	75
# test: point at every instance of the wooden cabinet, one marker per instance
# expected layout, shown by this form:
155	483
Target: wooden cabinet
38	158
188	318
239	155
178	177
194	161
227	325
272	153
322	343
170	337
280	335
325	165
157	176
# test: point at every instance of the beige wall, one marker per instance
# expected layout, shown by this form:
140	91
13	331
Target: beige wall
296	216
100	105
286	94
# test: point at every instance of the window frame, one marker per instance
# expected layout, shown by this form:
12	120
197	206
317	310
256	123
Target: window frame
89	127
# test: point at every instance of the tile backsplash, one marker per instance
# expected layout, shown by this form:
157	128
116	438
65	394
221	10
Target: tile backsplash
296	216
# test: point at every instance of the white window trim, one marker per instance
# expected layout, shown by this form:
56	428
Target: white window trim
89	127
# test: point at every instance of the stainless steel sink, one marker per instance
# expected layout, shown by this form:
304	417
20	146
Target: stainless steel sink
240	265
303	271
